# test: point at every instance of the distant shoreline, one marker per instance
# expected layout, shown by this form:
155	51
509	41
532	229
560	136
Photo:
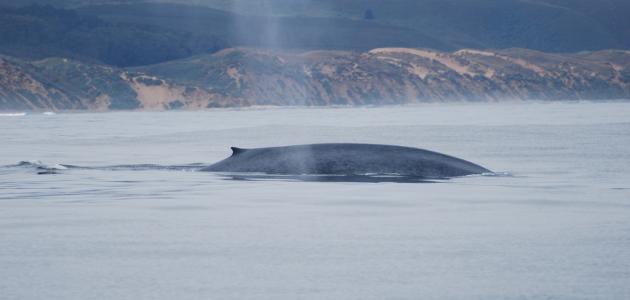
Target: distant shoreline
11	113
243	77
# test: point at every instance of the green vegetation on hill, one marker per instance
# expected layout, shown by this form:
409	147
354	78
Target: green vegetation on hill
440	24
245	77
134	32
400	75
37	32
291	32
87	81
169	54
63	84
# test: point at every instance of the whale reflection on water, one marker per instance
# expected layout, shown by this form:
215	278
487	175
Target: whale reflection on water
326	178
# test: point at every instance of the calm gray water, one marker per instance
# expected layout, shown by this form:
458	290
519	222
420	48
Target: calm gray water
556	225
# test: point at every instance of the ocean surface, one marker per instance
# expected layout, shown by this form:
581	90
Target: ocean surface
134	219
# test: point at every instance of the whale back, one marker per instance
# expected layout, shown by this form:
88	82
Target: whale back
346	159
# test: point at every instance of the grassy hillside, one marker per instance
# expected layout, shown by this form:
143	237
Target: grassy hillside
546	25
400	75
37	32
62	84
290	32
245	77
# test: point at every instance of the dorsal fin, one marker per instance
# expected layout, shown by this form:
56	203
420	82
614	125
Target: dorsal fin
237	151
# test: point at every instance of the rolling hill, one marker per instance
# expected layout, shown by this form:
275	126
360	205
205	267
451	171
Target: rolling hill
37	32
247	77
134	33
545	25
169	54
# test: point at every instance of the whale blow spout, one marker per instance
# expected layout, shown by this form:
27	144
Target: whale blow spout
346	159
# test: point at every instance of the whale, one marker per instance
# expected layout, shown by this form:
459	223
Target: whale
346	159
